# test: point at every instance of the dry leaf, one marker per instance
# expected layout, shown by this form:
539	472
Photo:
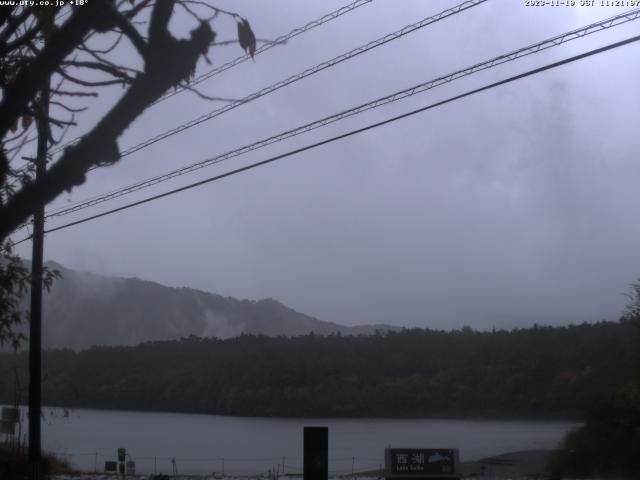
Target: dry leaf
246	37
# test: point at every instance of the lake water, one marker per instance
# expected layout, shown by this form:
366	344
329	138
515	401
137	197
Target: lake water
243	446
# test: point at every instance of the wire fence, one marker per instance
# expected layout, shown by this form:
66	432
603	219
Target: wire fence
267	467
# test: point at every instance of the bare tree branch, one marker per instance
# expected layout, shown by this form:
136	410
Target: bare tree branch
99	146
24	40
70	93
13	22
29	79
107	50
91	83
67	108
129	14
111	69
131	33
193	90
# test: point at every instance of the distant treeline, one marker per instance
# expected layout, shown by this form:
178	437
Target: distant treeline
535	372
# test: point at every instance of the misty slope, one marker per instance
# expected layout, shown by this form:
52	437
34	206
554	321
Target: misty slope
84	309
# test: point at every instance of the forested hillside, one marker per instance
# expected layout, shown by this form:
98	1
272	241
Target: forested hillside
541	371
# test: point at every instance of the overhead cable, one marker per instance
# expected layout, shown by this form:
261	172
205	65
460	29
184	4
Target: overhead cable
267	46
282	39
300	76
349	134
422	87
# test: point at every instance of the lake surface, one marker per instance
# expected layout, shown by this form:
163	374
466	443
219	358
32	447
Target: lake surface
243	446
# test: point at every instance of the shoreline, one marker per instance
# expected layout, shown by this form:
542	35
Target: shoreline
519	464
578	419
512	465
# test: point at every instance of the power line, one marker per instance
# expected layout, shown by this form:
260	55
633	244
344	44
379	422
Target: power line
279	40
535	48
226	66
302	75
243	58
345	56
351	133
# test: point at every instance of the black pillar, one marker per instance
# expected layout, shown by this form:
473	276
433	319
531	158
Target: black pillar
316	453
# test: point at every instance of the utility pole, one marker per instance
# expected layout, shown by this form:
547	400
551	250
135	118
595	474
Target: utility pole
35	329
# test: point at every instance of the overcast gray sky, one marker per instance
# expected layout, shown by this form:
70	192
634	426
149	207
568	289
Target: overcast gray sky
514	206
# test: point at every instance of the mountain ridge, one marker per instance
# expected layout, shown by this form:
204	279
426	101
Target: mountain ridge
83	309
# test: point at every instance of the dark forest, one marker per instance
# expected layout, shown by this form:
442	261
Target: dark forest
539	372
